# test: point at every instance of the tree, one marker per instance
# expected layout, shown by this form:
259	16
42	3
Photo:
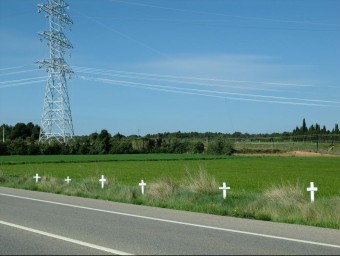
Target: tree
84	143
104	141
3	148
53	148
296	131
35	132
121	147
317	128
17	147
221	147
33	148
304	127
197	147
19	131
118	136
179	147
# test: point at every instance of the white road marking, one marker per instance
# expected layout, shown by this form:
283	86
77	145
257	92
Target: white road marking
93	246
178	222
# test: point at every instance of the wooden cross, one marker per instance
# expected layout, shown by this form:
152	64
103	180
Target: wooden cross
224	188
68	180
36	177
312	189
142	185
102	180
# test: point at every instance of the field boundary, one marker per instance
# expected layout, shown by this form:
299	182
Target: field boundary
291	154
11	160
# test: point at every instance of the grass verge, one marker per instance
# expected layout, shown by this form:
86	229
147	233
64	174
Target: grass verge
198	191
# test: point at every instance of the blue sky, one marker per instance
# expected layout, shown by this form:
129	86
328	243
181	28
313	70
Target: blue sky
182	65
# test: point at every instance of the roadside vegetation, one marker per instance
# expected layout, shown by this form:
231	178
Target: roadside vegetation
264	188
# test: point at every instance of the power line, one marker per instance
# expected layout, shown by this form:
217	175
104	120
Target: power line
17	67
226	15
208	93
197	78
213	23
176	81
21	80
186	80
23	83
159	77
223	97
19	72
224	92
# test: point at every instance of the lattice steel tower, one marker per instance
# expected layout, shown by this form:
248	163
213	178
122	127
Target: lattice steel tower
56	121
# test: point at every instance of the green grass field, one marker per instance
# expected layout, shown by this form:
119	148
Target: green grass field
254	182
250	174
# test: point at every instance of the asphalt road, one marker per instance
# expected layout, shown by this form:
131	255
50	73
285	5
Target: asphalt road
42	223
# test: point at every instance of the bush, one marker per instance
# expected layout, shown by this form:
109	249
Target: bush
197	147
17	147
178	147
221	147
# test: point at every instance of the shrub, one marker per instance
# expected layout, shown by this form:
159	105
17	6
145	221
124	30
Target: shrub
197	147
221	147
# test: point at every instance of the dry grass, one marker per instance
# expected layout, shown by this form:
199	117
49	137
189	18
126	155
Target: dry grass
163	188
200	182
285	194
49	183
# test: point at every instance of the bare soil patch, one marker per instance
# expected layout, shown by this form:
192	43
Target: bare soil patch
293	153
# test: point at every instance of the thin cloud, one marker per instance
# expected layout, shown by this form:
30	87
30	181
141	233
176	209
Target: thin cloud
250	69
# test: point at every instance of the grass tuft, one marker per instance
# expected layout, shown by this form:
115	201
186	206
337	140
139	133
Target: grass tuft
200	182
2	177
285	194
162	188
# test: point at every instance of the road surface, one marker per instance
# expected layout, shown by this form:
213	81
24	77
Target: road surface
43	223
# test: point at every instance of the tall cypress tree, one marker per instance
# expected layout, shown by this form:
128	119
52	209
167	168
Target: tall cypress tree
304	127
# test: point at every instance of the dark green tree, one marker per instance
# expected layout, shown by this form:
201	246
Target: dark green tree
197	147
3	149
304	128
103	141
17	147
221	147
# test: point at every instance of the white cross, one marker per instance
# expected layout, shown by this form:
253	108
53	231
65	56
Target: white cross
102	180
312	189
68	180
36	177
142	185
224	190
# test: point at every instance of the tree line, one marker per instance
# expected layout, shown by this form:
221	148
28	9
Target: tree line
23	139
314	129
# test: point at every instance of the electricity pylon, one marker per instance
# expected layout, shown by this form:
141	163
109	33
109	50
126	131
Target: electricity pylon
56	121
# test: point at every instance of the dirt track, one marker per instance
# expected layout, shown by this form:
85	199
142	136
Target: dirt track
293	153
